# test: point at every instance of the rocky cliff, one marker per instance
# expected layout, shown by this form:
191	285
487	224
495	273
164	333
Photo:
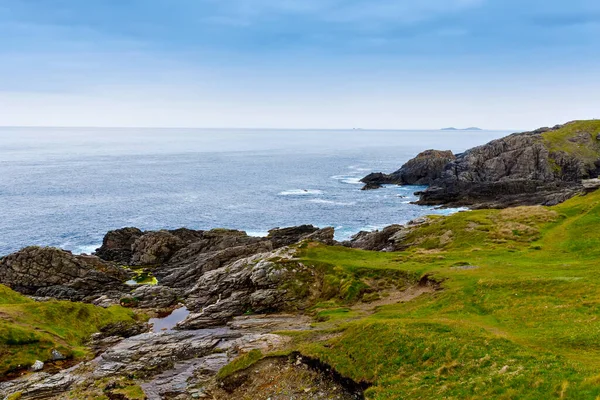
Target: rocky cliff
545	166
424	169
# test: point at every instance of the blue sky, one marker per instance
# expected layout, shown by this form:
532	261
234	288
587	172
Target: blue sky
299	64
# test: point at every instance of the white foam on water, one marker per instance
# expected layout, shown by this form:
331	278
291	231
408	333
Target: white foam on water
88	249
301	192
350	179
336	203
257	233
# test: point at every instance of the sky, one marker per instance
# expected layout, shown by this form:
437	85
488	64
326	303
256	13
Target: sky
372	64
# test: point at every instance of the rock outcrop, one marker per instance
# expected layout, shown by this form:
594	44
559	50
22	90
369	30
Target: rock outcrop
50	272
545	166
539	167
390	238
262	282
116	245
424	169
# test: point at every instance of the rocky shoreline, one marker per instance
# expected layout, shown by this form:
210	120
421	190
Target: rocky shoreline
543	167
218	275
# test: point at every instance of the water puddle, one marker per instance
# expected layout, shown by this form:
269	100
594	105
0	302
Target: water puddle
168	322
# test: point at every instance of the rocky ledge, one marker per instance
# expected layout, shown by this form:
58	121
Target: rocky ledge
545	166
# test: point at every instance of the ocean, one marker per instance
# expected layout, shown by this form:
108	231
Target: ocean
67	187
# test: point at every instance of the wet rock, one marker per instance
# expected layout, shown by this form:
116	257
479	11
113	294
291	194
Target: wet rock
116	245
50	272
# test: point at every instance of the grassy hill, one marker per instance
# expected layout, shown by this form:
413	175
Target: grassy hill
518	315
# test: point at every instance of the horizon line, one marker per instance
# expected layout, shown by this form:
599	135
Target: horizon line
446	129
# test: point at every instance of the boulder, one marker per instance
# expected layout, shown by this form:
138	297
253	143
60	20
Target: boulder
37	366
51	272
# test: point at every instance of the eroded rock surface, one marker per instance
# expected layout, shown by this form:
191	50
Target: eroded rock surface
50	272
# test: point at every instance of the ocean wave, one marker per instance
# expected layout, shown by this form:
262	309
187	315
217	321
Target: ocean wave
301	192
87	249
350	179
257	233
336	203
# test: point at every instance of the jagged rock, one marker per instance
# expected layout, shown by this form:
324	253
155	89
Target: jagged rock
184	271
50	272
116	245
285	236
425	168
155	248
253	283
155	296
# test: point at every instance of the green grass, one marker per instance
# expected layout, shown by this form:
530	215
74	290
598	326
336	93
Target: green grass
558	141
240	363
523	322
30	330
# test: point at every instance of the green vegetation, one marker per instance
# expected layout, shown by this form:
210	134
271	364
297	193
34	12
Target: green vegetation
576	138
518	316
240	363
30	330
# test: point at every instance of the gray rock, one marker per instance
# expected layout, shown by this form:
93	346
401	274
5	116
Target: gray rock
37	366
254	283
155	296
57	355
50	272
515	170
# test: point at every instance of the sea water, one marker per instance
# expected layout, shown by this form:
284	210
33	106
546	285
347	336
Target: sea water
67	187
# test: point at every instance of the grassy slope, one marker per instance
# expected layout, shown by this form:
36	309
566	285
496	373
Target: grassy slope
558	140
30	330
524	324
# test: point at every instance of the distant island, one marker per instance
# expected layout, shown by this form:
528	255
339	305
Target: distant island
472	128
